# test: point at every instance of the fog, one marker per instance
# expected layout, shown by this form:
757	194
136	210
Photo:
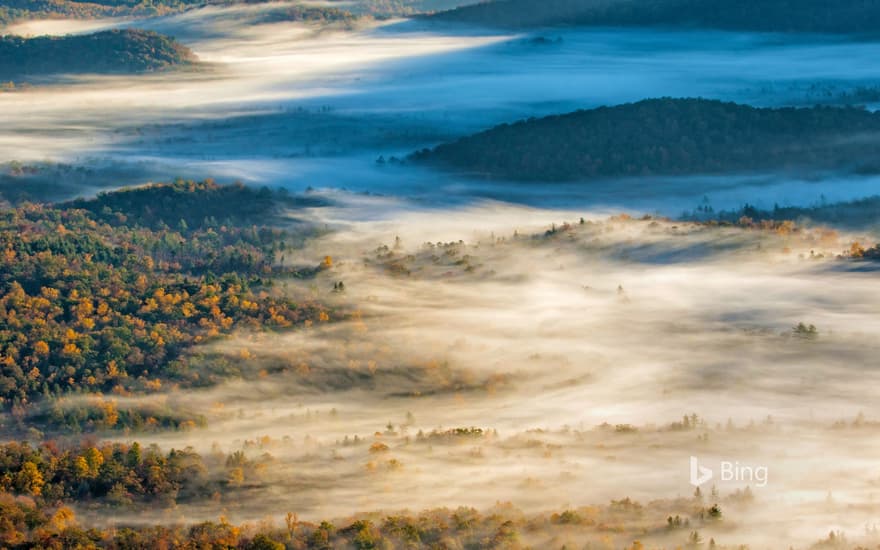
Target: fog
626	324
317	104
582	345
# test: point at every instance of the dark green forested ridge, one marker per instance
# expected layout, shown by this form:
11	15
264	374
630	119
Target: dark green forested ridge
192	203
845	16
665	137
113	51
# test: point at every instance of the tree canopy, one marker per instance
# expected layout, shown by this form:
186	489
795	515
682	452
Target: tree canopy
112	51
665	137
846	16
109	295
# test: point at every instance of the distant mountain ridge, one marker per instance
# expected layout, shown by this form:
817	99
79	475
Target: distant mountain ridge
666	137
113	51
819	16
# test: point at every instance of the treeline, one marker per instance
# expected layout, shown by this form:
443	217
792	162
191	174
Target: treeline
305	14
13	10
856	214
110	474
113	51
109	297
39	486
189	205
46	181
820	16
97	413
665	137
390	8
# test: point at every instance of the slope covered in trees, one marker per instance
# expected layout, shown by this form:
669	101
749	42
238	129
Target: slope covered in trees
113	51
846	16
106	296
13	10
193	204
665	137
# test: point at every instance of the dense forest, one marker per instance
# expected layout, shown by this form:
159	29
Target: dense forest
847	16
13	10
107	295
190	203
665	137
113	51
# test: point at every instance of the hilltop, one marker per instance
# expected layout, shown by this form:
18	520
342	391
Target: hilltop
665	137
113	51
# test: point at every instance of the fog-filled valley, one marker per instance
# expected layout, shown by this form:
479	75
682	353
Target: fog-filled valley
302	105
350	275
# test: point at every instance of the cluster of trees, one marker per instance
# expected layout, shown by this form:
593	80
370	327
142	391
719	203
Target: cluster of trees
856	214
848	16
28	520
116	474
389	8
13	10
859	213
112	51
114	300
434	259
190	205
73	415
306	14
664	137
123	476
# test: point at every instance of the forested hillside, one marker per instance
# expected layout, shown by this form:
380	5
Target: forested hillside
12	10
112	292
665	137
113	51
847	16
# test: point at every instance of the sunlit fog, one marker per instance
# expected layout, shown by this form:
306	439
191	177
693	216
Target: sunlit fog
294	274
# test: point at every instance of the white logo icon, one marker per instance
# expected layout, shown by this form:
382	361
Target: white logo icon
699	474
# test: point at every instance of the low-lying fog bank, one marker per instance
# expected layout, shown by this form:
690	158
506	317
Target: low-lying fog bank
290	98
576	349
482	354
